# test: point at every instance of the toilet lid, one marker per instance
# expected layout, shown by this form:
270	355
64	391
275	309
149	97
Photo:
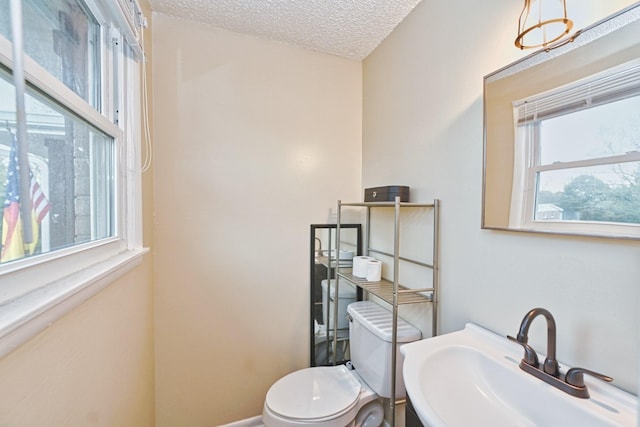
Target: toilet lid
314	393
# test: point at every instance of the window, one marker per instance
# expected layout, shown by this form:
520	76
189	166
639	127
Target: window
69	150
578	155
71	165
64	38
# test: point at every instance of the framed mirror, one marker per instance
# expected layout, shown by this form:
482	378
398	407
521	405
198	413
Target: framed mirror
562	136
329	326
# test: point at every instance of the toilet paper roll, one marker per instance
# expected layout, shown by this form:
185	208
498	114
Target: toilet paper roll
374	270
360	266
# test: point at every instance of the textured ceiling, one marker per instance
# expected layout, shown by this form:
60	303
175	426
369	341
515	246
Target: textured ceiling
347	28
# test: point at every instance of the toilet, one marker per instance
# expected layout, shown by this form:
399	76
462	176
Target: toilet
346	296
338	396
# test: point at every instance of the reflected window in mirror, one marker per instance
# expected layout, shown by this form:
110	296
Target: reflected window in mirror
577	155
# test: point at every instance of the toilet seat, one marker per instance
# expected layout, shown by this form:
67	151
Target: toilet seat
314	394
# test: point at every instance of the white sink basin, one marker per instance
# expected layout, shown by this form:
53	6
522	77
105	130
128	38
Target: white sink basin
472	378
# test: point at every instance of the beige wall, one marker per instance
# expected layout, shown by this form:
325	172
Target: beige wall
255	141
95	365
422	127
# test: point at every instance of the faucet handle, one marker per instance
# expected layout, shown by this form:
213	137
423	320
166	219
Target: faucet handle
530	355
575	376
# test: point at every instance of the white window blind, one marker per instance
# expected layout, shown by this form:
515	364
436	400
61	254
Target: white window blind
128	18
609	86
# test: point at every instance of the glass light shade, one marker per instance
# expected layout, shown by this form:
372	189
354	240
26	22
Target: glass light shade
541	23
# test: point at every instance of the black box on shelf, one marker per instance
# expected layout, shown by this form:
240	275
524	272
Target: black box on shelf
386	194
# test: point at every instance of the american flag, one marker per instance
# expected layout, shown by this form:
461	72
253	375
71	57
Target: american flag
13	245
39	203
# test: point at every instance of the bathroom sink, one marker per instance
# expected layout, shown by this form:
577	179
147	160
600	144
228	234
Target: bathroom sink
472	378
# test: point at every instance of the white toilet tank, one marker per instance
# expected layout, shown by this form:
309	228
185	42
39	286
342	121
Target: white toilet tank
346	296
370	336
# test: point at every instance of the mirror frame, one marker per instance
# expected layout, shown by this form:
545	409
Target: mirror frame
605	44
325	269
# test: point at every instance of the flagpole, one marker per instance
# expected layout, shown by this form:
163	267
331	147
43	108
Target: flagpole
21	121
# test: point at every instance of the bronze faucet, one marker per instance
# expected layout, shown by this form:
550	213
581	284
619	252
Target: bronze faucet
573	381
550	363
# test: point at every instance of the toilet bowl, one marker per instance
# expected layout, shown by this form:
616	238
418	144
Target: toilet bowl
323	346
337	396
325	396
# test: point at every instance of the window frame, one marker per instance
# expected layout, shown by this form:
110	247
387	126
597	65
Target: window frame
60	280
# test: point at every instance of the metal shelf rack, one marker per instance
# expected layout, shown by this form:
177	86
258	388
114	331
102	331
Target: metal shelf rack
390	290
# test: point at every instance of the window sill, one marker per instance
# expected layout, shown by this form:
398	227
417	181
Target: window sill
24	317
584	228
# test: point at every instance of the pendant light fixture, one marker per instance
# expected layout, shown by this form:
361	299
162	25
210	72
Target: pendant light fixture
543	22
